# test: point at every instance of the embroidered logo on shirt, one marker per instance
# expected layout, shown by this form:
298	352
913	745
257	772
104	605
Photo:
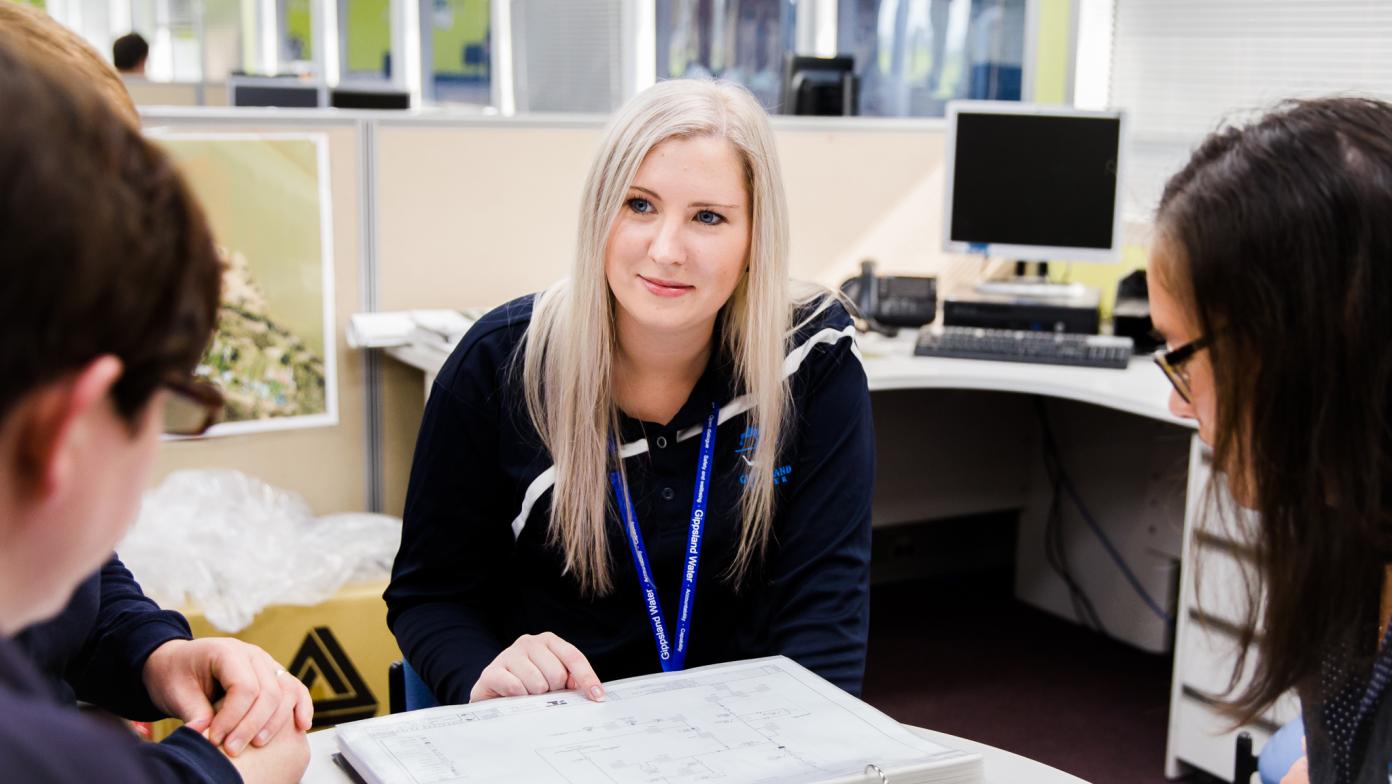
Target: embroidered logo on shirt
749	441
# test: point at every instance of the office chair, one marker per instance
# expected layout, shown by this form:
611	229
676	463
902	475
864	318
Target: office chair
1275	759
405	689
1244	761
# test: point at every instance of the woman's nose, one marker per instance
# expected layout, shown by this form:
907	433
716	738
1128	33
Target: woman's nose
1181	407
667	244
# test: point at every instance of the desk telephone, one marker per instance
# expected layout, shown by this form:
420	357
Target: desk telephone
885	303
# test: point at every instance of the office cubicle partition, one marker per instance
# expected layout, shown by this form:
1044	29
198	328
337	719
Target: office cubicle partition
150	93
457	210
328	465
474	211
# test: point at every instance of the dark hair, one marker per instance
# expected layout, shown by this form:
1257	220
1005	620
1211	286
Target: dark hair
31	34
103	247
1281	235
129	51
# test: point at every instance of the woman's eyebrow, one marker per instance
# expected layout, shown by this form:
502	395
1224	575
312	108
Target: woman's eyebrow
700	204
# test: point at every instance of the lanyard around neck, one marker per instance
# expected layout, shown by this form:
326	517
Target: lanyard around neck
671	656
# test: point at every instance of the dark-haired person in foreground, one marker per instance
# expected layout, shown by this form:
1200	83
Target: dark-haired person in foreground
111	288
1272	286
111	646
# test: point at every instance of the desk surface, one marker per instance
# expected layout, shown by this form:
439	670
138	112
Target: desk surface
890	364
1001	767
1139	389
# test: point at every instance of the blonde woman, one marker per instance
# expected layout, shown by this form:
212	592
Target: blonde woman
661	462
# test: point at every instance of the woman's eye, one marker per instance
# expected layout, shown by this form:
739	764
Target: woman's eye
640	205
710	218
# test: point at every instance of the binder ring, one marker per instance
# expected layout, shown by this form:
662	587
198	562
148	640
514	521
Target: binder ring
876	768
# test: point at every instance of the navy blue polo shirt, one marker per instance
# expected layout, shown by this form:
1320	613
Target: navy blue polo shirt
475	571
95	651
43	741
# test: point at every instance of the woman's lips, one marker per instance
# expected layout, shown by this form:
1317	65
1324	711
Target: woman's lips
664	288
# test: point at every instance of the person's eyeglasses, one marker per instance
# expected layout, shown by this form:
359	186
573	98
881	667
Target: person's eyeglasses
1171	362
191	407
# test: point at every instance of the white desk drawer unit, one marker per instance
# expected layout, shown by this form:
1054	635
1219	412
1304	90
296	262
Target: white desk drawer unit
1212	601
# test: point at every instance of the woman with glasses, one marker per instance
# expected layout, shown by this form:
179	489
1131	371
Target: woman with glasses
1272	287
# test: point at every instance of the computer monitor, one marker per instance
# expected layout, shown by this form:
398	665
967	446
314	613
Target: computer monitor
1033	183
282	91
819	85
369	98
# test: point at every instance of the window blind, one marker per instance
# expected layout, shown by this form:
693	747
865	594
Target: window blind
1182	67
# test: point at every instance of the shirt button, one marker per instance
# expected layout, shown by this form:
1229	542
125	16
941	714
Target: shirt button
662	442
668	494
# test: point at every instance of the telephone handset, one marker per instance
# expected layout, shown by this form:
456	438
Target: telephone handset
885	303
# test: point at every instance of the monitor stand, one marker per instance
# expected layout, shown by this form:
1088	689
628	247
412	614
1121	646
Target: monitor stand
1030	289
1034	287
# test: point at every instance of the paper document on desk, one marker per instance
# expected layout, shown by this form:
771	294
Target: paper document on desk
763	721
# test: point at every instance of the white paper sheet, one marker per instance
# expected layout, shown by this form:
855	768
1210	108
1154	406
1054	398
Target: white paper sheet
768	721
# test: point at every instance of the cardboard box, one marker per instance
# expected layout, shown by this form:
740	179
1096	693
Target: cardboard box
340	648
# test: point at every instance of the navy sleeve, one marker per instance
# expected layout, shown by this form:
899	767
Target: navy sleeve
129	626
819	567
456	539
43	743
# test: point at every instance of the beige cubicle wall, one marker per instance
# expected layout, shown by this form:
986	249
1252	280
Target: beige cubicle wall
327	465
473	211
147	93
470	212
214	93
476	211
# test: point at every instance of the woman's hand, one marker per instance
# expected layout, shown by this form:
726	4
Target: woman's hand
1299	772
537	664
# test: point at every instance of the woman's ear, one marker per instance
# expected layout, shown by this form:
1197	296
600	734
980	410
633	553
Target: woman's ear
57	420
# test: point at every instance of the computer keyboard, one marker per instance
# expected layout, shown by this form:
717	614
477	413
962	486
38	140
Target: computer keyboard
1007	345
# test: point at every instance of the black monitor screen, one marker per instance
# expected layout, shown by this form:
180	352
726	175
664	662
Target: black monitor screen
285	96
370	99
1023	179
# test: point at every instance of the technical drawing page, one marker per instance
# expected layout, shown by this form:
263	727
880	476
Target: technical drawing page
765	721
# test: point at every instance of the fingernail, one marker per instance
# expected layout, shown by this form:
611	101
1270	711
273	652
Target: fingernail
597	693
234	747
262	737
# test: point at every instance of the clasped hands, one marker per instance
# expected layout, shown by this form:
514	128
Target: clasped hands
260	700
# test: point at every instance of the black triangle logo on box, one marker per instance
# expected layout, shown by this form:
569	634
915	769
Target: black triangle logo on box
320	656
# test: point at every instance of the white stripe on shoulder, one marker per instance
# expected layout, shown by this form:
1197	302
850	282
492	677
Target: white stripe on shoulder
541	484
729	411
829	335
547	478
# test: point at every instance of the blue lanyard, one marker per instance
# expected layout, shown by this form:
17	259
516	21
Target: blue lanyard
673	658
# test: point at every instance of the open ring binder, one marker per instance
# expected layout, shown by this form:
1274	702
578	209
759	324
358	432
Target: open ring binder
766	719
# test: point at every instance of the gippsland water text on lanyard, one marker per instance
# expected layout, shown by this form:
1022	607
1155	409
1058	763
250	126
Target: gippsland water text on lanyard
672	657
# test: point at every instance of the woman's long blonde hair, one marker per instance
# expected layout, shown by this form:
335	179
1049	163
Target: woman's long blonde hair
569	347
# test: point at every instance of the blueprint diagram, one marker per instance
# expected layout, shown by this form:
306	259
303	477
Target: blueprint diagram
765	721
